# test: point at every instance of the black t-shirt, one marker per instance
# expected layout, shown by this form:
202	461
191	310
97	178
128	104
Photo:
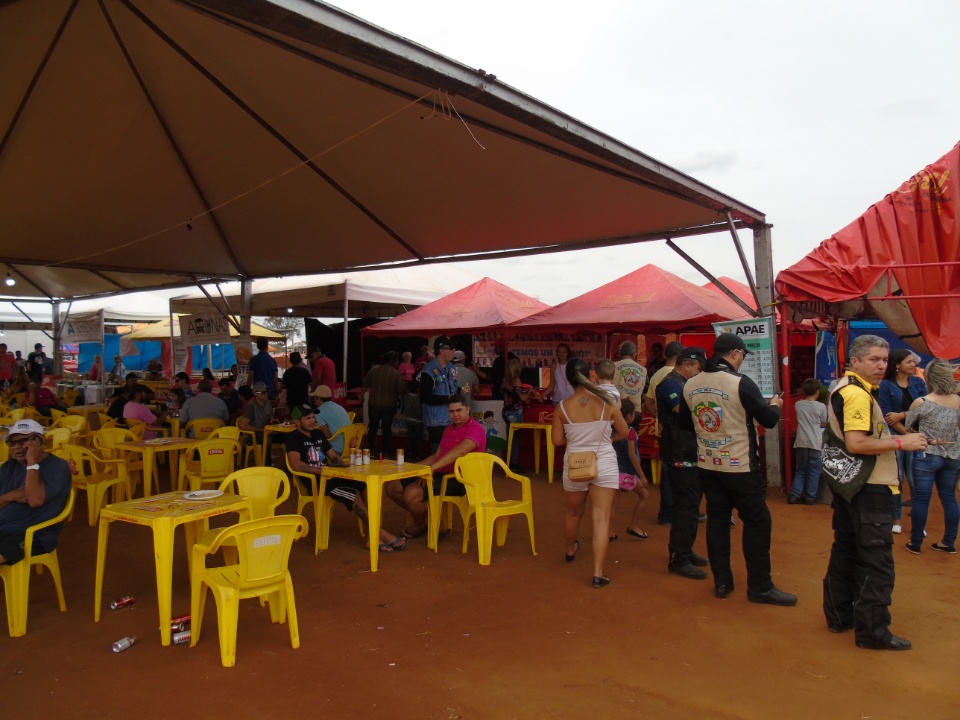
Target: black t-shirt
35	364
297	382
116	408
313	449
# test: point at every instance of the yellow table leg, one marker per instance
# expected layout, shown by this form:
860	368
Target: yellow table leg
103	534
163	554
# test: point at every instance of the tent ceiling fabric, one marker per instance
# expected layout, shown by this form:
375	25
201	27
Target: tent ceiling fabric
151	143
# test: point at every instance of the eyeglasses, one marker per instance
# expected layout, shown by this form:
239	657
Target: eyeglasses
21	441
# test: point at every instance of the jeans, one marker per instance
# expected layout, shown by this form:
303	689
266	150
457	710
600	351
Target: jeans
942	472
807	478
905	468
381	418
510	417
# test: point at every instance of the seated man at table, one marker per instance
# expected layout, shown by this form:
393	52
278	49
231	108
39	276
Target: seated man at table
34	486
463	435
154	370
231	398
135	409
257	415
116	402
330	416
309	451
43	400
204	406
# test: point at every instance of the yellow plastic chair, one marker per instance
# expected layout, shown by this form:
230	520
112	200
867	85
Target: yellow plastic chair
314	491
17	399
16	578
201	428
18	413
265	487
206	461
105	441
94	475
229	432
249	445
440	511
263	548
352	435
70	397
56	416
351	416
475	471
56	437
75	423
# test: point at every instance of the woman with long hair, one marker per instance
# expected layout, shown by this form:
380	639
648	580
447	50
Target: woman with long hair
898	389
515	397
938	417
559	389
582	422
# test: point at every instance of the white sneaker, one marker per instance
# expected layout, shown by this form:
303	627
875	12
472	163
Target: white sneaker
897	529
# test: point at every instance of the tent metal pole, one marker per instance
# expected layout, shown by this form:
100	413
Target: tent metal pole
763	257
709	276
57	328
22	312
346	331
743	260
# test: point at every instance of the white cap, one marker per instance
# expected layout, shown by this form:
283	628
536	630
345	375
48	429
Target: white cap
459	356
24	427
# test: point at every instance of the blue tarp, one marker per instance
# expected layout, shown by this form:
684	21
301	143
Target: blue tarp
149	349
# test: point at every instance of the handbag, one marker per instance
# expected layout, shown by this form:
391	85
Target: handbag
846	474
582	464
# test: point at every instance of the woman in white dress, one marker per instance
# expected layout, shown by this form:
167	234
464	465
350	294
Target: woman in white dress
585	422
559	388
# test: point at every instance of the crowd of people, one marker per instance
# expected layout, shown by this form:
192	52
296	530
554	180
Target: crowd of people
901	431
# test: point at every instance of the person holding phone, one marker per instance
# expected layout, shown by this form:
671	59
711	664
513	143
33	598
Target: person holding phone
34	486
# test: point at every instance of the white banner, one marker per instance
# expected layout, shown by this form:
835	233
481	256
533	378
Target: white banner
757	335
243	349
84	327
204	329
180	347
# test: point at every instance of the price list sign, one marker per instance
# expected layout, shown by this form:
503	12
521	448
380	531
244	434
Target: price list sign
757	335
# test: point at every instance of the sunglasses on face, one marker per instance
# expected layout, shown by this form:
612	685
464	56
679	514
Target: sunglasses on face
21	441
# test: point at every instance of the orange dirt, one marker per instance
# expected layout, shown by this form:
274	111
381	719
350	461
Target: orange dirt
438	636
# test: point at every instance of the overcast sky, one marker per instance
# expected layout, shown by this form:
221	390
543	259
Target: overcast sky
810	112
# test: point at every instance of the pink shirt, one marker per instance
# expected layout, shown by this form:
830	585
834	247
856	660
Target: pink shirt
406	371
453	436
139	411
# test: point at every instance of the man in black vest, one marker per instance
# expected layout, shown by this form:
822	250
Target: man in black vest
722	406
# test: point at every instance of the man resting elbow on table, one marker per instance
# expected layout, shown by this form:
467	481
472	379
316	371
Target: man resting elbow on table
464	435
309	451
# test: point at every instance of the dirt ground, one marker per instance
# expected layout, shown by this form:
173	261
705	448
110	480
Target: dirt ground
438	636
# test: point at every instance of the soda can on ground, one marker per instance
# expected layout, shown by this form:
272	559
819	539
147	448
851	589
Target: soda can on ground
122	602
124	643
181	638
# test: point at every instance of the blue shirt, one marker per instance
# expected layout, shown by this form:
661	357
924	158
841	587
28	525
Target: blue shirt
17	517
334	417
264	369
444	384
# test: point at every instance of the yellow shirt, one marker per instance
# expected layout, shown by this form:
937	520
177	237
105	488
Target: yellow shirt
858	406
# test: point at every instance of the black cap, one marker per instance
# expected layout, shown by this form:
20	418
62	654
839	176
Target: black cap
441	342
728	342
693	353
301	410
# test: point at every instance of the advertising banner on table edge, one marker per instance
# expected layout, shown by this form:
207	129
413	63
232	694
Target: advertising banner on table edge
757	335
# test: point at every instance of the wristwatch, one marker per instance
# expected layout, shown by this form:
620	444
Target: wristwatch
35	466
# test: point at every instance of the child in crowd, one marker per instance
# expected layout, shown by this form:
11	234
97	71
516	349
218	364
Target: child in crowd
811	419
606	370
413	419
632	478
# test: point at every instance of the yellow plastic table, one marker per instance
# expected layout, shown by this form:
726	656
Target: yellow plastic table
375	475
274	428
537	429
149	449
163	513
86	409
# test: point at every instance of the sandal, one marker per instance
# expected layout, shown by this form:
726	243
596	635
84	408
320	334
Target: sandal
386	548
414	533
576	549
399	543
642	535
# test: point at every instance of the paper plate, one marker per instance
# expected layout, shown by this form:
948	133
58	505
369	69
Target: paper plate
202	494
158	441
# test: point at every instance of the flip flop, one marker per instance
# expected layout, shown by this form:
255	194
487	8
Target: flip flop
409	533
642	535
386	548
399	543
576	549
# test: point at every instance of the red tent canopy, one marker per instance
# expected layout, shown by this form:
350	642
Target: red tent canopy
741	290
646	300
899	261
484	305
